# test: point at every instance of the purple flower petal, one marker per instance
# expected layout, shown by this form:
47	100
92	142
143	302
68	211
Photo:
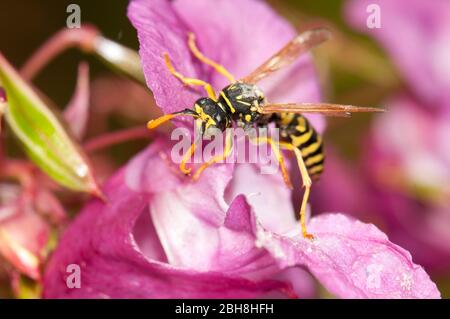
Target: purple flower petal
159	243
353	260
422	50
239	39
188	218
104	243
161	31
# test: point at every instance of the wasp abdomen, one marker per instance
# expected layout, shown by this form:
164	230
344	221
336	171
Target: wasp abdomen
296	129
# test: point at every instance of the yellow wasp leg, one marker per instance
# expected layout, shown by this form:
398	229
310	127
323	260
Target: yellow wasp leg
278	155
186	158
219	68
218	158
306	183
190	81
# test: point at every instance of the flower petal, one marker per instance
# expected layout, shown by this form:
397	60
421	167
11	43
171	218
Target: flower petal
242	39
161	31
268	195
238	39
113	266
352	259
23	238
76	112
188	219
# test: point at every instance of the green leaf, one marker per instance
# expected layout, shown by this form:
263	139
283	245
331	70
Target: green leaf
43	136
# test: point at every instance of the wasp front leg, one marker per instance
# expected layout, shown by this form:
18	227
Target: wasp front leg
216	159
186	158
190	81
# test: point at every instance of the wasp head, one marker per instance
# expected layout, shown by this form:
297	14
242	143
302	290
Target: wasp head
211	117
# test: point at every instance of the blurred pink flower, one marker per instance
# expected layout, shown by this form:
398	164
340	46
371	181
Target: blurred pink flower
342	189
27	211
416	35
408	155
23	234
407	163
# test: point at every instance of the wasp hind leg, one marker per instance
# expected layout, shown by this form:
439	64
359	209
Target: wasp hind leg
218	67
218	158
306	184
276	150
190	81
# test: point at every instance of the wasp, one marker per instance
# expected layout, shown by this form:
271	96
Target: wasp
243	104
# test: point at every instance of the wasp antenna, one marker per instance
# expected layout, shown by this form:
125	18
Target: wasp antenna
367	109
152	124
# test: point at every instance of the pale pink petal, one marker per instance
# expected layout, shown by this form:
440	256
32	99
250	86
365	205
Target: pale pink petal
76	112
23	238
102	243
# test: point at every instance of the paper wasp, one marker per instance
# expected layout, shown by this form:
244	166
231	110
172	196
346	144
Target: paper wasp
244	104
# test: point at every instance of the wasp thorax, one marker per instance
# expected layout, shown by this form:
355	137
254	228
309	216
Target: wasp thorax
244	101
211	116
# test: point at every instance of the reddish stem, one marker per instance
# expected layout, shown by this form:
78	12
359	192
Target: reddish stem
109	139
83	38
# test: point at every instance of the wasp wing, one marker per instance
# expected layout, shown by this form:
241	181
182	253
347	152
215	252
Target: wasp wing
327	109
303	42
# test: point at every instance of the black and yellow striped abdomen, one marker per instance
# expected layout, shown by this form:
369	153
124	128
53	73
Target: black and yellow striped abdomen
297	130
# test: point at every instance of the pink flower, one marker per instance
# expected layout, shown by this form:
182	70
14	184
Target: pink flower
27	211
342	189
407	164
408	155
415	34
232	234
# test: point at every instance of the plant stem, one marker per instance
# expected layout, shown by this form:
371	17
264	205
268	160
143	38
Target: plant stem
108	139
82	38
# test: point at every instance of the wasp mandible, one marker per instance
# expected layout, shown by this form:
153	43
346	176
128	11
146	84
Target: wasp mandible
244	104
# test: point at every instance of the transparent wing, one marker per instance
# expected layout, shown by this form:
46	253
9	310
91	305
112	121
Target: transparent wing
304	42
327	109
